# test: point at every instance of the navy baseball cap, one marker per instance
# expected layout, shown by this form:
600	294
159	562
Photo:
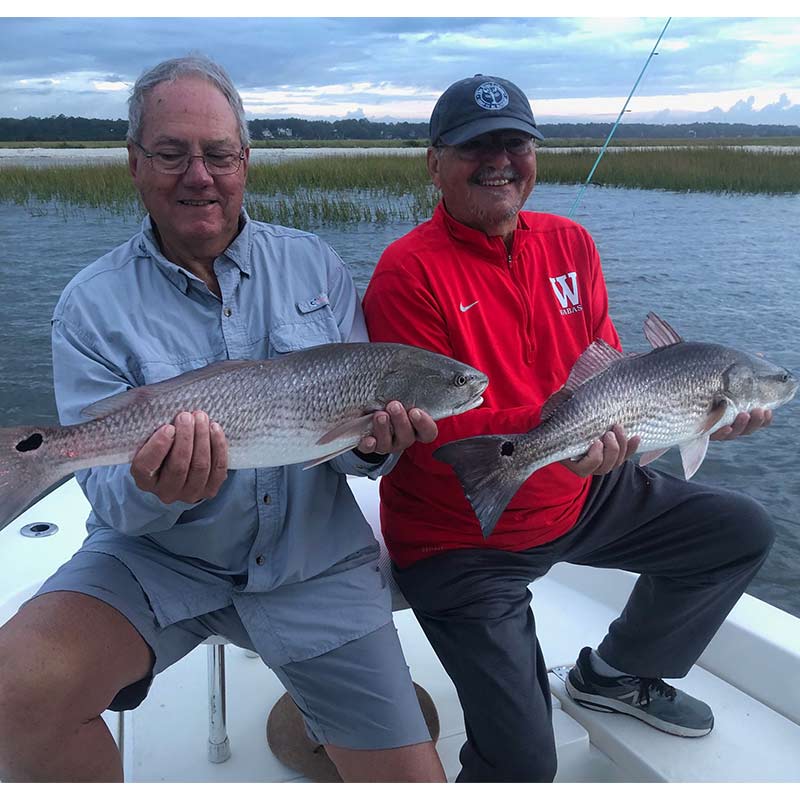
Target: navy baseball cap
478	105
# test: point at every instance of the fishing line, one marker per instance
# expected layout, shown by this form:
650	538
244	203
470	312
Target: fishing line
608	139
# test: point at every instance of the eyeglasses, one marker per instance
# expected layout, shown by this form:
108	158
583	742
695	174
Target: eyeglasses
176	163
480	146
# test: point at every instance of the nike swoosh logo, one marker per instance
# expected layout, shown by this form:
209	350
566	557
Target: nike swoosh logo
467	308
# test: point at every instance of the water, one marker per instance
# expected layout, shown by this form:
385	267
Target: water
718	268
52	156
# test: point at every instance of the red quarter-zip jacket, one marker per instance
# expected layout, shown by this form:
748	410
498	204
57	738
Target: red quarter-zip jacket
523	319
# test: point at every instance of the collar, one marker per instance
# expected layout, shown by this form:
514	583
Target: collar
490	247
238	252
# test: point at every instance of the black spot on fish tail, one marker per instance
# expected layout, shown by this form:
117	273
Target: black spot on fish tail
26	471
487	472
33	442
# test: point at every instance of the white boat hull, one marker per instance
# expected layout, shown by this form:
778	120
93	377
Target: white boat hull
748	674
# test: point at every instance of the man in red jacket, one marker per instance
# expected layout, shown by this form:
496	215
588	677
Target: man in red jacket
520	295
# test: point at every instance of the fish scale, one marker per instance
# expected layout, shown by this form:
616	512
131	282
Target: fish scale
306	406
652	396
676	394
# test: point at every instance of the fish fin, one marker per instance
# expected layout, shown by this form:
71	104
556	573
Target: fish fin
118	402
692	454
717	412
591	362
317	461
650	456
140	394
487	473
360	426
694	451
658	332
27	471
554	401
596	358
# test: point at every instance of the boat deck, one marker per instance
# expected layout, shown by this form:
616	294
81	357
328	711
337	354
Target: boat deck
748	675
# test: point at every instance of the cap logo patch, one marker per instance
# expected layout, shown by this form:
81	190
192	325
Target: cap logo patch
491	96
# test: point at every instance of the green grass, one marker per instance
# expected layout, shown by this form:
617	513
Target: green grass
316	143
382	188
59	145
88	185
390	173
774	141
257	143
715	169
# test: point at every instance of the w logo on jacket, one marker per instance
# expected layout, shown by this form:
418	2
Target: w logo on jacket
565	288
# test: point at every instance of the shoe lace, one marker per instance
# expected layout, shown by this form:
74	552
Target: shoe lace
646	685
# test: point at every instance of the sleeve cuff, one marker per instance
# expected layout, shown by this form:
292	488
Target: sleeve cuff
372	458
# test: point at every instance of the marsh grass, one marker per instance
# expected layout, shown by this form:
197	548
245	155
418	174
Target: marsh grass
340	189
382	173
106	186
772	141
550	142
382	188
267	144
71	145
695	169
291	144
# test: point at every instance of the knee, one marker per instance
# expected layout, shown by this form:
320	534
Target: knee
28	691
23	709
39	689
753	528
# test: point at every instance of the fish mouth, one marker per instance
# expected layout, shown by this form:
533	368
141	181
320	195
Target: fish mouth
481	384
468	405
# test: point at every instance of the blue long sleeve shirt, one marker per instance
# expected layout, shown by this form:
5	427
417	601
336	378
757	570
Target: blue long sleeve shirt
279	543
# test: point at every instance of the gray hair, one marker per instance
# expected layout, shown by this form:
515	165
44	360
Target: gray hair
172	69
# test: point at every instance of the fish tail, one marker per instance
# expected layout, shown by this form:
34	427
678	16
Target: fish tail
488	472
26	469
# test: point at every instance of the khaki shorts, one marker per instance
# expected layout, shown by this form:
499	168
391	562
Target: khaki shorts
359	695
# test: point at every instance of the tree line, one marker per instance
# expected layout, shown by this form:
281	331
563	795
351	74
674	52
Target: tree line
70	129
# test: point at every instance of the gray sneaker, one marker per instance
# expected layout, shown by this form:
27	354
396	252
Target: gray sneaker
648	699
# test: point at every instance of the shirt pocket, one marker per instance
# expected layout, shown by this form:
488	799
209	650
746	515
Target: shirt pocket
314	325
156	371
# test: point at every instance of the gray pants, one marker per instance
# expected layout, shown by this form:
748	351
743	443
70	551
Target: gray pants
696	549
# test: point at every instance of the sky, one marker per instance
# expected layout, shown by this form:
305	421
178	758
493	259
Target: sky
573	69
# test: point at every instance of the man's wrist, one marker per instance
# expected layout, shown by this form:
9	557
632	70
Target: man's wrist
372	458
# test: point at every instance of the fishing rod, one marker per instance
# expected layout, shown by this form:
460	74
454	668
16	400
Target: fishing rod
614	128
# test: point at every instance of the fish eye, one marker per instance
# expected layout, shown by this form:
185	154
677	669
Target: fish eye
460	380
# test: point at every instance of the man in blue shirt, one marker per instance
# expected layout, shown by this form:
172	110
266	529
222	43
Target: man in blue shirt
278	560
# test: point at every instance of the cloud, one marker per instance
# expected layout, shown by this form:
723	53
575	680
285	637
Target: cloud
395	68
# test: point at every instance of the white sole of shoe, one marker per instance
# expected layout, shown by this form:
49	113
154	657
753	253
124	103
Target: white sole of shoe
611	706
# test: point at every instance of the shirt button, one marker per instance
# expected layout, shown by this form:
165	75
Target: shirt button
267	499
227	312
260	560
